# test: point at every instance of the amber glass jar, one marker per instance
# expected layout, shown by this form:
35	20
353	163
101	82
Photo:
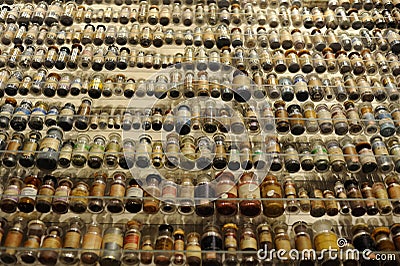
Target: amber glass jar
211	240
271	188
204	193
46	191
28	193
13	240
226	188
152	193
248	189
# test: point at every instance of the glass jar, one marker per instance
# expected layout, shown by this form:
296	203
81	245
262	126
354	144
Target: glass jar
13	240
46	191
395	232
230	231
113	242
51	245
164	242
35	232
186	193
325	238
367	158
367	117
112	150
321	158
116	193
226	188
303	241
220	159
14	145
362	238
72	240
10	197
152	193
79	197
248	243
96	152
281	116
188	150
291	157
193	249
27	158
324	119
66	117
28	193
131	243
61	198
143	150
386	125
169	191
204	192
211	240
249	193
134	194
310	116
271	188
21	114
49	149
339	119
146	256
97	191
91	243
282	240
336	157
36	120
392	182
357	203
205	152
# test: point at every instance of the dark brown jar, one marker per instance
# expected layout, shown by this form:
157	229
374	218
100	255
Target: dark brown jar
211	241
225	188
12	189
134	194
297	125
35	231
31	145
72	240
392	182
45	193
164	242
395	232
205	194
10	155
28	193
368	195
281	115
271	188
367	158
13	240
61	200
324	119
353	192
51	244
152	193
318	208
91	243
336	158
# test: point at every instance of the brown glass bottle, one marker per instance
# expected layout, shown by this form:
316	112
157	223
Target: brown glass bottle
134	194
35	231
12	190
97	191
204	193
117	192
79	197
61	200
46	193
51	244
146	257
226	188
91	243
12	241
353	192
211	241
152	193
249	193
72	240
303	241
28	193
271	188
318	208
392	182
193	249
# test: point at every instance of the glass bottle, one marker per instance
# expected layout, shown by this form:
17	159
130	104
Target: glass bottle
186	195
79	197
164	242
350	154
143	151
61	195
204	192
331	205
31	145
325	239
248	189
393	145
282	240
146	256
96	152
152	193
290	189
116	193
80	151
49	149
303	241
82	120
381	153
179	247
353	192
321	158
14	145
205	148
51	245
111	247
10	197
341	195
311	122
36	120
112	149
324	119
381	236
304	150
392	182
367	117
169	191
182	120
132	243
336	158
380	193
172	151
21	114
395	232
220	159
26	203
72	240
13	240
211	240
134	194
362	238
226	188
271	188
316	193
35	231
46	193
265	240
297	125
367	158
193	249
339	119
66	117
97	191
91	243
291	157
281	116
230	231
385	121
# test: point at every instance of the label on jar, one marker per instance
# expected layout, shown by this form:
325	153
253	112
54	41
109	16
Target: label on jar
67	112
249	191
49	144
29	192
51	242
62	193
134	192
379	148
169	191
131	241
248	243
223	188
11	193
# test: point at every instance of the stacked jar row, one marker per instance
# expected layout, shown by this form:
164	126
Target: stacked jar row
116	244
210	14
204	194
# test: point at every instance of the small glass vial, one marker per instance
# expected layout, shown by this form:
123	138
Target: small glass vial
248	189
28	193
392	182
164	242
116	193
211	240
193	249
370	200
324	119
61	200
152	193
97	191
357	203
72	240
310	116
10	156
367	158
226	188
271	188
10	197
386	125
281	115
321	158
291	157
205	194
51	244
303	241
49	149
35	232
91	243
113	241
186	193
132	243
282	240
380	193
12	241
46	191
134	194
